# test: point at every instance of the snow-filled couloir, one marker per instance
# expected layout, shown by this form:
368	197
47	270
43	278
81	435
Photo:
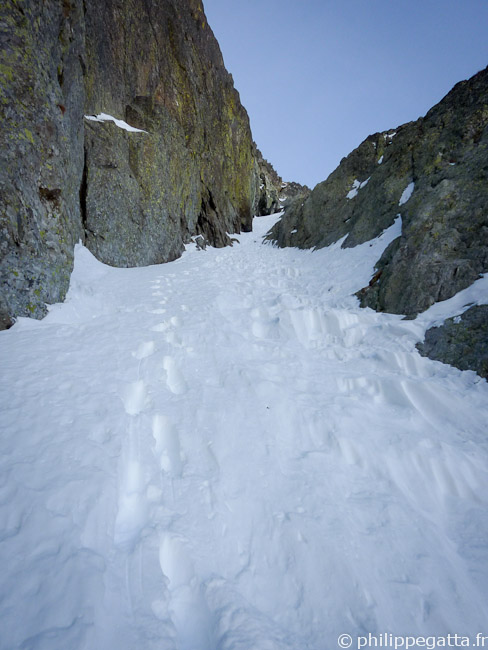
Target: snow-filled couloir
226	452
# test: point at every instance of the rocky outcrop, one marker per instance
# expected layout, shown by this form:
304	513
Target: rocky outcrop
133	196
268	194
460	341
350	202
434	174
444	244
291	192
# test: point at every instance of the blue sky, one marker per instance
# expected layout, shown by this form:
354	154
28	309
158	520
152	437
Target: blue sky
319	76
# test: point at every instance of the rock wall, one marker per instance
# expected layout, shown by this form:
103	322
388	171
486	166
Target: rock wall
41	151
133	197
444	244
432	172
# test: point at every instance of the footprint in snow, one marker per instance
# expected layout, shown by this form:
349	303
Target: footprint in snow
175	561
132	506
188	607
174	377
161	327
134	397
144	350
174	321
173	338
167	445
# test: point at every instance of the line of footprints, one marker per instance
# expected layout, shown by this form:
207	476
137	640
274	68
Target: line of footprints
188	608
133	488
135	495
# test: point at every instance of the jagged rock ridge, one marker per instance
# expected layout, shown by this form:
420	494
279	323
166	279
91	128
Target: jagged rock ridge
133	197
432	172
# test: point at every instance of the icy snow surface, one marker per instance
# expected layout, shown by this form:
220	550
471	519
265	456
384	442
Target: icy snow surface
226	453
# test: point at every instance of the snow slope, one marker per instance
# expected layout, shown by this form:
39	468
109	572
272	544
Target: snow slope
225	452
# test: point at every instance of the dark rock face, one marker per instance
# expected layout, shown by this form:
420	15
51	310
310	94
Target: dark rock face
461	341
159	68
41	151
268	198
432	172
290	192
133	198
327	214
444	243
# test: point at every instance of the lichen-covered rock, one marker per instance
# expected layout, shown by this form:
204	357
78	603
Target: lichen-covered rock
193	172
461	342
41	151
134	198
126	220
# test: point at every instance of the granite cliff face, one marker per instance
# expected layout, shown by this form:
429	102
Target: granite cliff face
133	197
432	172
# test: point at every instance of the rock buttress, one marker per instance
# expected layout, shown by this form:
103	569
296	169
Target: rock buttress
134	198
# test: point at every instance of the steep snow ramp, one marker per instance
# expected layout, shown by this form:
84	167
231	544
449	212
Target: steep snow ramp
226	452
